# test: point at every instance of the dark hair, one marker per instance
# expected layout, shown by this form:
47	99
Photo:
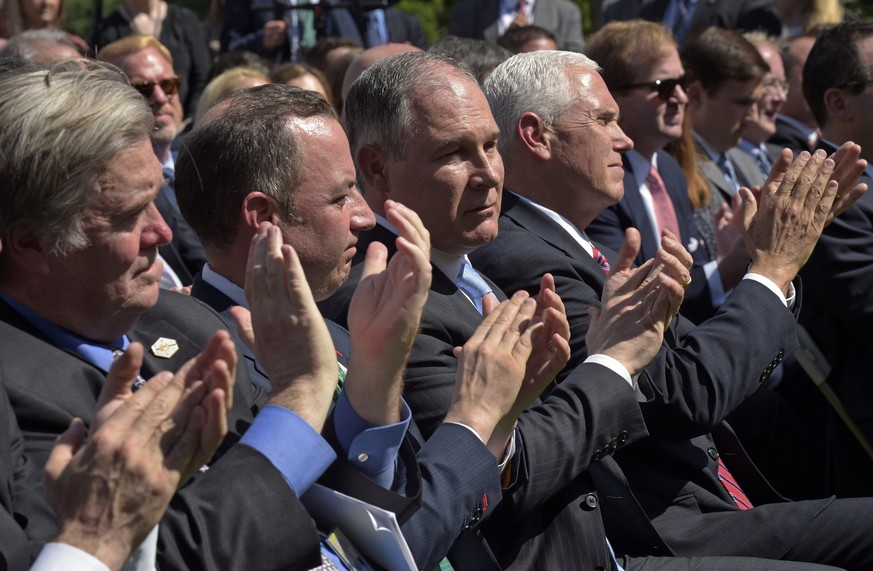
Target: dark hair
718	55
249	147
317	54
288	71
481	55
514	38
834	61
238	58
626	49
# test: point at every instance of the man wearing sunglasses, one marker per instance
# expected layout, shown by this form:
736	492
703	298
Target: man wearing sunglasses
149	67
642	69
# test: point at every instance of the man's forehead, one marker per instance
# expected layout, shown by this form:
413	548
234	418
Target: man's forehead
146	59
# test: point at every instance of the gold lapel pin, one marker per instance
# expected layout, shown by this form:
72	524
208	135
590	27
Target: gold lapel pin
164	348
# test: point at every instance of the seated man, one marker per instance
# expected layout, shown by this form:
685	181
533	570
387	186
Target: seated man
433	146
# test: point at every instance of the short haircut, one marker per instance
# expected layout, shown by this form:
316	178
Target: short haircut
834	61
516	37
248	146
120	49
717	55
534	82
238	58
29	43
288	71
62	127
317	54
378	108
625	50
224	84
481	55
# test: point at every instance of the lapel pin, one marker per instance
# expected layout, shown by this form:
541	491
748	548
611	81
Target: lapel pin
164	348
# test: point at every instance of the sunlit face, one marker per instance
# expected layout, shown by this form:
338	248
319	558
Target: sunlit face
720	117
117	276
308	82
330	209
537	45
587	145
149	65
773	96
647	119
40	13
451	174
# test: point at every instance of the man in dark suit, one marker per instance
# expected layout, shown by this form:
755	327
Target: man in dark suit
489	19
450	173
310	195
80	284
796	125
642	69
837	278
148	65
562	172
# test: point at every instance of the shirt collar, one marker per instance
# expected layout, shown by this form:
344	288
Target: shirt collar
448	264
714	155
640	166
564	223
224	285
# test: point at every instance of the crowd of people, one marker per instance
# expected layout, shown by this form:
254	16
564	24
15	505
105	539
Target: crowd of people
537	296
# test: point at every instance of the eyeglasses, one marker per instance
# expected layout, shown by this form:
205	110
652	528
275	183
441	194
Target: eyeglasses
664	87
773	86
169	86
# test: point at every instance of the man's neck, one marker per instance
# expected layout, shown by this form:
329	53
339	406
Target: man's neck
162	151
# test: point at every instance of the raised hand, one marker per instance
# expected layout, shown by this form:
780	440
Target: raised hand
491	371
782	227
847	171
291	340
110	492
636	307
384	317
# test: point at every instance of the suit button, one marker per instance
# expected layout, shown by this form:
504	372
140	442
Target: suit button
609	448
713	453
590	501
363	457
477	513
623	436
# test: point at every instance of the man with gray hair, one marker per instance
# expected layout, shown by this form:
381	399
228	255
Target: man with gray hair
42	46
688	489
422	133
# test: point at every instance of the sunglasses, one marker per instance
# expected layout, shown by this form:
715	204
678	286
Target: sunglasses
664	87
169	86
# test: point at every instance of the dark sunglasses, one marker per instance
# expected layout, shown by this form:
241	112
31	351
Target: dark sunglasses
665	87
169	86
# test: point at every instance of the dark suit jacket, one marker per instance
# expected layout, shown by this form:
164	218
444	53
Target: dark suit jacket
698	377
456	472
788	135
838	313
402	27
608	229
477	19
552	497
740	15
26	519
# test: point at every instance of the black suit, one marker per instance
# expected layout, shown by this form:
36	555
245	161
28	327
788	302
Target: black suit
740	15
698	377
838	313
788	135
184	253
608	229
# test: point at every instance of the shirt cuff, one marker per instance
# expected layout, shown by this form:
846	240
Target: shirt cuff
507	455
294	448
56	556
613	365
771	285
713	279
373	449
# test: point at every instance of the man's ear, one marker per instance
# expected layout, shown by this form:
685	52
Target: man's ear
373	172
258	208
695	93
839	104
28	249
534	136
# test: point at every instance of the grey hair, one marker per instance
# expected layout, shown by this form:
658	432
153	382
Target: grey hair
30	43
535	82
378	107
62	126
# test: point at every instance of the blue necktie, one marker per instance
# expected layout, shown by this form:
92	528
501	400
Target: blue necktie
729	173
471	283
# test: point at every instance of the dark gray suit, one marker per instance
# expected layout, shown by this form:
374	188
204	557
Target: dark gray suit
477	19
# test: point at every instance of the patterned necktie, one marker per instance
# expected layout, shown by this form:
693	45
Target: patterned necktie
326	563
730	174
521	17
600	259
471	283
763	160
736	493
663	206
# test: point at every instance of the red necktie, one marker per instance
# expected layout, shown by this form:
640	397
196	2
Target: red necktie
661	202
732	487
600	259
